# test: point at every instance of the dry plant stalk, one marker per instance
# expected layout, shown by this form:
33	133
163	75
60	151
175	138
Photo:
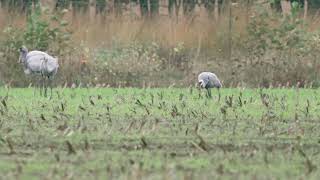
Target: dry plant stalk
71	149
10	145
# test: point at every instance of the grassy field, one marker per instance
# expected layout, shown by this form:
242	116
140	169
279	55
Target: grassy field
160	134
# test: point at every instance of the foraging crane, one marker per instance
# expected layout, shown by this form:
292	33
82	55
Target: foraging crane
40	63
209	80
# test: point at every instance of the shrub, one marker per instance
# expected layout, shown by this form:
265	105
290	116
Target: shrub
281	50
130	66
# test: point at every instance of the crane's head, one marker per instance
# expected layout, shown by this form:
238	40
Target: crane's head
202	84
23	49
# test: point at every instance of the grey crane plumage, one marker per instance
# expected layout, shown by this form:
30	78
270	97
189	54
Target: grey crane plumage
209	80
40	63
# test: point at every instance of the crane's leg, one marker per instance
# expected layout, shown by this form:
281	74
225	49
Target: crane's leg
219	95
45	86
35	84
44	91
41	84
209	93
50	85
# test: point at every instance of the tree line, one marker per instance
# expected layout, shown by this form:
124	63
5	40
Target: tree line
148	8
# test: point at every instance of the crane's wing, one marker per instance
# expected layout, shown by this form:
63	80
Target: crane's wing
214	80
35	63
51	64
39	61
36	53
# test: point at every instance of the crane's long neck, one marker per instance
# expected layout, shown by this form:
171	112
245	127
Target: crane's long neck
23	59
24	55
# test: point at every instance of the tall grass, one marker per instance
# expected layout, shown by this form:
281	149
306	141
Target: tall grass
92	30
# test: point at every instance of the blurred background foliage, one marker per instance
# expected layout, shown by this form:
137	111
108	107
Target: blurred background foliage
165	42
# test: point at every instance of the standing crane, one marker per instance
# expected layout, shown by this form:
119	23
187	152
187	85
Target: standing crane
39	63
209	80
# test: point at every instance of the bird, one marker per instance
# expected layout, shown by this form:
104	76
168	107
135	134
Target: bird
209	80
39	63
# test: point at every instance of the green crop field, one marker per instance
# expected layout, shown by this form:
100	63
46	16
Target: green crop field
160	134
